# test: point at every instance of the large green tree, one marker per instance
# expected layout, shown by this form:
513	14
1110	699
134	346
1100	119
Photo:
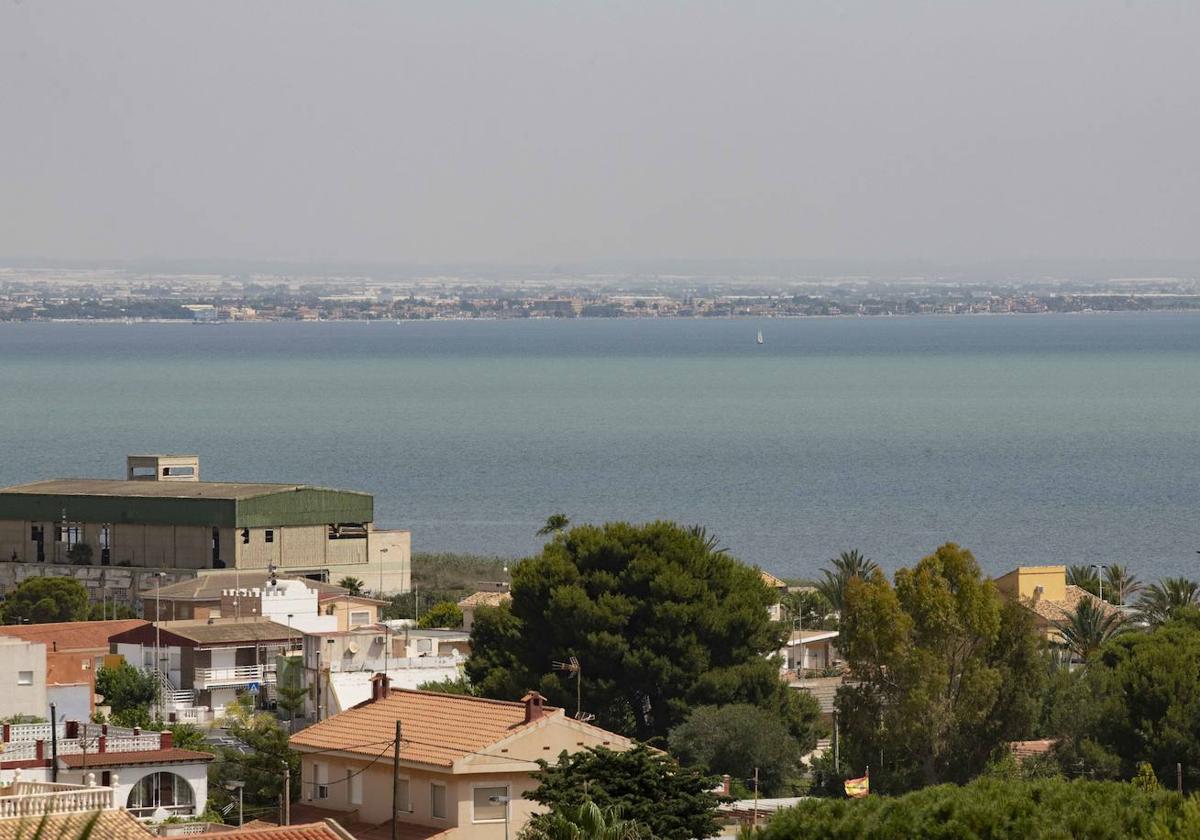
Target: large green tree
1161	602
1089	627
1139	701
40	600
129	692
946	671
737	740
659	619
259	763
647	787
442	614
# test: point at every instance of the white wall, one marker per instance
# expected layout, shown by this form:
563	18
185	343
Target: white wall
195	774
71	702
19	657
292	597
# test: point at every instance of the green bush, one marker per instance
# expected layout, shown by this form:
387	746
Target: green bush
994	808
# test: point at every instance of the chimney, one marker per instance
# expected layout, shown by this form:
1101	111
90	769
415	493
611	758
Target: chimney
533	706
381	687
726	786
165	740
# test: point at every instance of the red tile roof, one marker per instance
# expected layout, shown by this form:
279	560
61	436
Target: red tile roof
109	825
1028	749
307	831
174	755
73	635
438	729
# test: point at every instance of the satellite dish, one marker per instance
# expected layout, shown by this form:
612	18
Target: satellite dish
352	648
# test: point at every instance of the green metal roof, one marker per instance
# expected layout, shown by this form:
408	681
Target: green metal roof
212	503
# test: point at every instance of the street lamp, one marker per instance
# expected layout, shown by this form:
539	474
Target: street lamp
157	639
239	787
1100	576
502	800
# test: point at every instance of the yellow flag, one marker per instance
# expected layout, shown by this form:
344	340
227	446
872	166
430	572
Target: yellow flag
858	788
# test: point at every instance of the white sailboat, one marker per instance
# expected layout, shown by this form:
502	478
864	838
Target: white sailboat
759	340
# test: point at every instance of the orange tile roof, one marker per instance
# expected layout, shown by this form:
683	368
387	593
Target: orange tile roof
771	581
1027	749
485	599
437	729
305	831
174	755
110	825
1059	610
73	635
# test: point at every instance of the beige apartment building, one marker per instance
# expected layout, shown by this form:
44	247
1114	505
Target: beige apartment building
465	762
161	516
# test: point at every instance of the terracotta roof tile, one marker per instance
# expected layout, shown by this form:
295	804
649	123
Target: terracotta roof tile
771	581
438	729
1058	610
73	635
110	825
128	759
485	599
307	831
1027	749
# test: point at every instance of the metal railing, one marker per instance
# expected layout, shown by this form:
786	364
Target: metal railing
393	663
237	675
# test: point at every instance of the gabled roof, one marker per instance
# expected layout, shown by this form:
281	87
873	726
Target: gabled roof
485	599
110	825
306	831
437	729
771	581
1059	610
73	635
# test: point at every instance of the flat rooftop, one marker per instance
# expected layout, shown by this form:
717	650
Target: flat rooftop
155	489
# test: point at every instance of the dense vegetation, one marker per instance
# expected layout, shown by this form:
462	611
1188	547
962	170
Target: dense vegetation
946	672
997	809
445	578
660	619
646	787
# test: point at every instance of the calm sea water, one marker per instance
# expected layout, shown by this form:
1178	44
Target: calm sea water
1029	439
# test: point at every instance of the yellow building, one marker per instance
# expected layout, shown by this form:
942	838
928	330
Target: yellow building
1044	591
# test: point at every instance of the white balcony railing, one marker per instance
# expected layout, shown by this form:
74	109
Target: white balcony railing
29	799
226	677
394	663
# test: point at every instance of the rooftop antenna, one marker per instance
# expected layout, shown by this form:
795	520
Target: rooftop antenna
572	667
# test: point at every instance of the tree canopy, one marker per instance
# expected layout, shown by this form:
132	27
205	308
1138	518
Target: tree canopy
42	600
261	765
1041	809
659	619
129	692
736	740
442	614
946	670
647	788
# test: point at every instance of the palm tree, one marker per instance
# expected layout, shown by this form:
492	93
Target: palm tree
555	522
1160	602
352	584
1119	584
846	566
588	821
1084	577
1088	627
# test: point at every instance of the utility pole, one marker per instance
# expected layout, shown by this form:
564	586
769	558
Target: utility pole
837	764
396	785
754	818
287	794
53	743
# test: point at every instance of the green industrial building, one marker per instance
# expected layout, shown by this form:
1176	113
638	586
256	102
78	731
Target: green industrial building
163	517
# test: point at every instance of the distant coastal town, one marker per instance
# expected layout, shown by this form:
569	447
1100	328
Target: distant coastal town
111	295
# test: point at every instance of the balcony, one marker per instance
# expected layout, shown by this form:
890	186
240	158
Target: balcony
32	799
236	676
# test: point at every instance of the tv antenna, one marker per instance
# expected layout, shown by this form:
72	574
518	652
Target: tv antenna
572	667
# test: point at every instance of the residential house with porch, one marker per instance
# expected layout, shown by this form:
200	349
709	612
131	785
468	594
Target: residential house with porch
203	666
100	767
465	763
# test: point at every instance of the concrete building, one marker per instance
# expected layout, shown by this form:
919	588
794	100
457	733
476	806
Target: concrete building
162	517
466	763
23	678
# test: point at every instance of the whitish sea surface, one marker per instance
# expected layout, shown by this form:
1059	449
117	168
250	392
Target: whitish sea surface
1029	439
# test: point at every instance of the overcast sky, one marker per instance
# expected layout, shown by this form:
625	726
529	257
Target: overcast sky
534	131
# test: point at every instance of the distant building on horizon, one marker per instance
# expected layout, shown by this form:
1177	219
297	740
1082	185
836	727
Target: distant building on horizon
162	517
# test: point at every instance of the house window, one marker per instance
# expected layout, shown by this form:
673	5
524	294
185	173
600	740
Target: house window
424	645
320	781
270	535
437	801
161	790
403	802
357	619
489	804
24	677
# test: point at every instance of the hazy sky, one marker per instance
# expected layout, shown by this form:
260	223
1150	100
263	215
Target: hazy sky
533	131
